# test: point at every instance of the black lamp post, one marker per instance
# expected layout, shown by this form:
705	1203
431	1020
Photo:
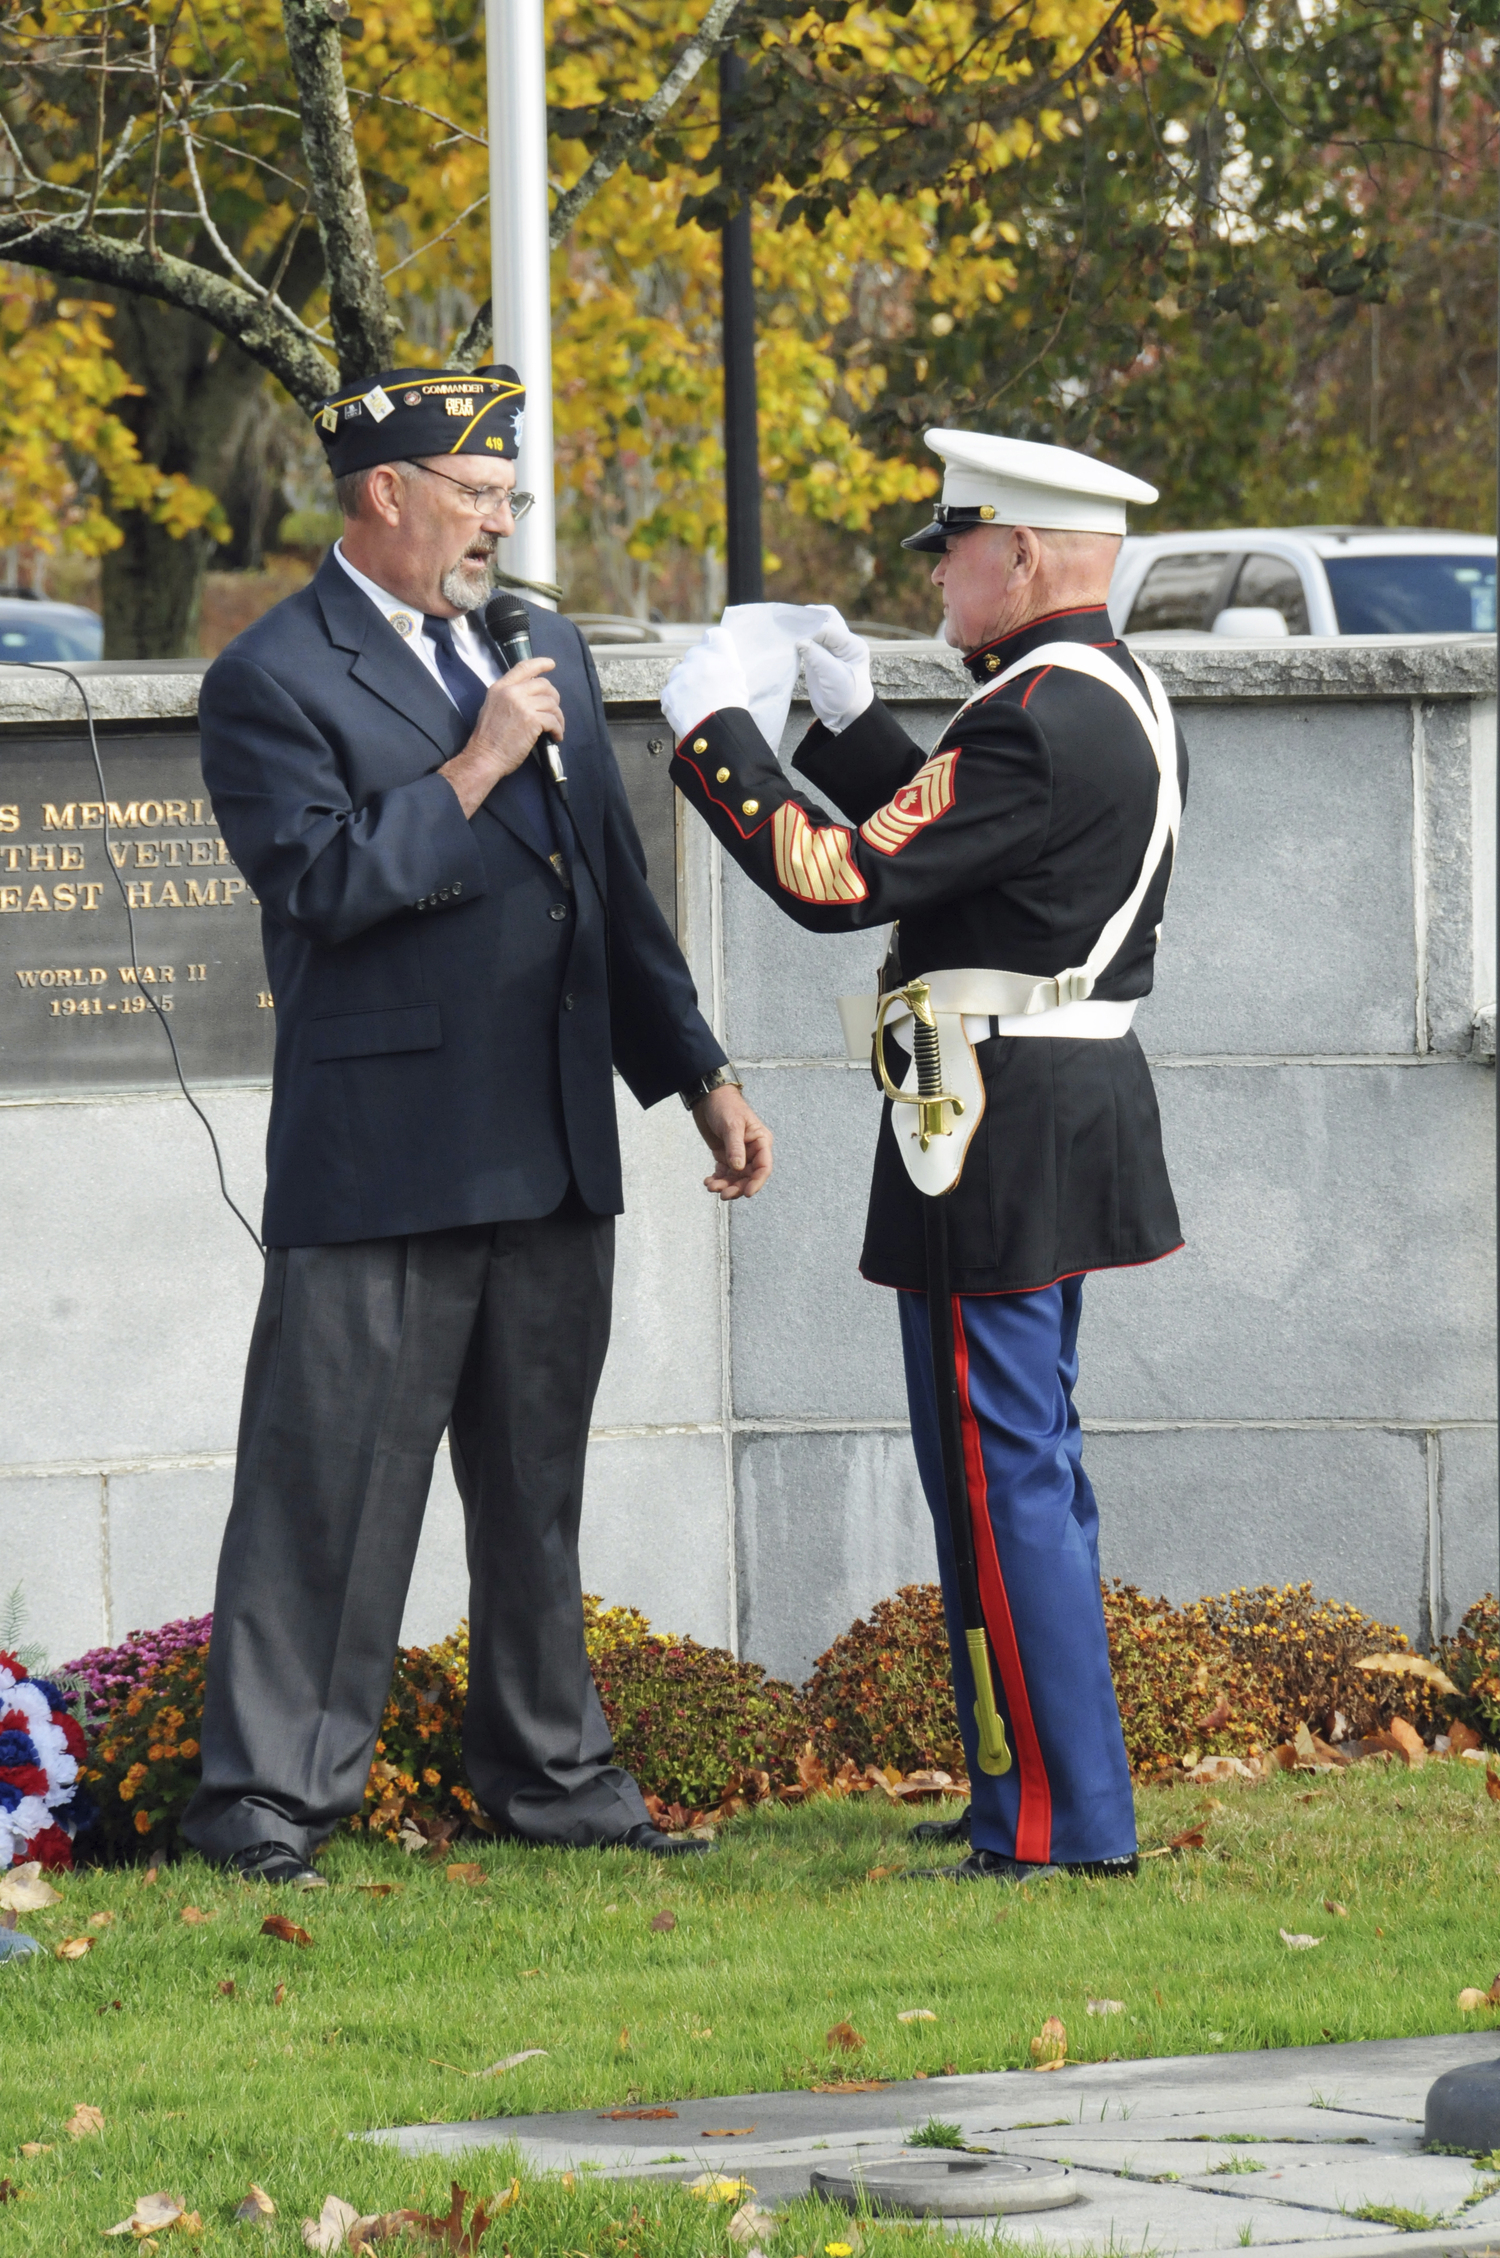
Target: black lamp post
745	575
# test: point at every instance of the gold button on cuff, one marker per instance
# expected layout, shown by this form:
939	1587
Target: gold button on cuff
700	744
721	775
750	807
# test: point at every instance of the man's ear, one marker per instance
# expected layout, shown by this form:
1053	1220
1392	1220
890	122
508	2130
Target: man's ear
1026	557
384	493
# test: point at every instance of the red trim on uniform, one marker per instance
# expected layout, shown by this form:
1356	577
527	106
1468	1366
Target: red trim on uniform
994	1293
1034	1818
1067	611
1026	700
691	760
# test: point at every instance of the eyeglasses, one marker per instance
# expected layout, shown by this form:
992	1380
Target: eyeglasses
484	500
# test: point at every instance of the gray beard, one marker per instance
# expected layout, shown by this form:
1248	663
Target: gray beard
465	586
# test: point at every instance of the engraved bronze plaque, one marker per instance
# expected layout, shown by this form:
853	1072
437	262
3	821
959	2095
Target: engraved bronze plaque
74	1013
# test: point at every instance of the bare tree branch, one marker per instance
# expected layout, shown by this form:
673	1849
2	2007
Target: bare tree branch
60	246
438	238
363	320
627	131
712	36
241	273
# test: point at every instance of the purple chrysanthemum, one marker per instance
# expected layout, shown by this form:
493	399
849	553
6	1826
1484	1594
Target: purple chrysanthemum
112	1673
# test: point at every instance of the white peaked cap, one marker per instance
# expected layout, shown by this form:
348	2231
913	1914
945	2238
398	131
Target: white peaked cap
1054	489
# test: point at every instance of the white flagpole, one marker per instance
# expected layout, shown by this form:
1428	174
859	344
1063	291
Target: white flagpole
516	58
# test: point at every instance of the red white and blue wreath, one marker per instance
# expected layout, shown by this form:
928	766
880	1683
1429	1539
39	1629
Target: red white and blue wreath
42	1805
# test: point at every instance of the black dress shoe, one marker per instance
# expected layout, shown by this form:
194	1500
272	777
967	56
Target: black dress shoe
943	1830
994	1866
981	1866
657	1845
277	1862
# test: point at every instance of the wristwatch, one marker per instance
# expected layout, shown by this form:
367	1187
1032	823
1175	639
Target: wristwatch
725	1077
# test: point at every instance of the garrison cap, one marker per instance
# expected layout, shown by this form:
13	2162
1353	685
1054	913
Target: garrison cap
991	481
407	413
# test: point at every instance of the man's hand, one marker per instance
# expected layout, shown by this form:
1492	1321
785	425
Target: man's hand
522	706
836	663
707	679
739	1141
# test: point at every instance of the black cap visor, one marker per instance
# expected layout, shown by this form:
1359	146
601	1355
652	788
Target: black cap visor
949	518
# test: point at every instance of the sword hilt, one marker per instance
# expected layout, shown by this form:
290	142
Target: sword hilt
929	1096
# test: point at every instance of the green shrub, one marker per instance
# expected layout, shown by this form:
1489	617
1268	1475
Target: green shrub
690	1722
145	1766
417	1771
882	1693
1182	1692
1471	1658
1301	1652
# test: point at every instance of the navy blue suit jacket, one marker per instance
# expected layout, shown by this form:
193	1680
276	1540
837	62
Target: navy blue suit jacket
448	1008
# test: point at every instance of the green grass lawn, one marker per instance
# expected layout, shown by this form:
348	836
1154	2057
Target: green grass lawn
208	2080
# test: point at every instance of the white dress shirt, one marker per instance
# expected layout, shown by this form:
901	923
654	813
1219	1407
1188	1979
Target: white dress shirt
473	648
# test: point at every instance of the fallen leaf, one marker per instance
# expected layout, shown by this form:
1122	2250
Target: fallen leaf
852	2085
618	2116
36	2148
624	2040
508	2062
750	2221
1297	1944
22	1889
257	2210
74	1948
714	2188
1106	2006
1407	1666
706	2032
278	1995
663	1921
1332	1905
1211	1768
1470	2000
85	2119
1191	1839
1491	1784
194	1916
152	2215
880	1873
330	2229
1462	1738
727	2132
1050	2050
449	2231
916	2015
1409	1740
383	2226
286	1932
226	1989
115	2005
101	1920
843	2039
152	1874
471	1875
8	2191
379	1889
1217	1716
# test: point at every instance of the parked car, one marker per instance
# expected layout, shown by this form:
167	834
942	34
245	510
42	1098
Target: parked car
33	627
616	631
1305	580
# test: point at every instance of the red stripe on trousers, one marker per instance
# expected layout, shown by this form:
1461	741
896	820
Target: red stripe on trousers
1034	1819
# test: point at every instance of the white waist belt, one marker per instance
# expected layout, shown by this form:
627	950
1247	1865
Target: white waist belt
993	1003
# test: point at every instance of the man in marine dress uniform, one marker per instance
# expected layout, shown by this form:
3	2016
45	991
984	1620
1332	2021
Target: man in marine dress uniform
1046	811
459	961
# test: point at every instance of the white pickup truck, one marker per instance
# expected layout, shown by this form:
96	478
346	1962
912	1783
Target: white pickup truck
1305	580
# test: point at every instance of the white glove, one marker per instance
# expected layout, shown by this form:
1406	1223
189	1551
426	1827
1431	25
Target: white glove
837	665
705	680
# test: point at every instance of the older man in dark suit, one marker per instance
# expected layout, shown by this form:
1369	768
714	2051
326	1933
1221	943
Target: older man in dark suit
459	960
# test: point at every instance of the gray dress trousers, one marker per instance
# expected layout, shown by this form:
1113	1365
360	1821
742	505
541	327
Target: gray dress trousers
361	1355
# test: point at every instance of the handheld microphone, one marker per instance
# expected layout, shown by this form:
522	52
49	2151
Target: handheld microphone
505	619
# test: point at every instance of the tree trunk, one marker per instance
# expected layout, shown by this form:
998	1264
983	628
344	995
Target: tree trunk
198	394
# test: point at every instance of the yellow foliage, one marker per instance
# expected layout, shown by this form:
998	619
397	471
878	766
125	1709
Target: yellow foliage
58	384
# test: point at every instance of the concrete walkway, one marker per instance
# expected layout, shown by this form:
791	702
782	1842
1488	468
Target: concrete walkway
1195	2153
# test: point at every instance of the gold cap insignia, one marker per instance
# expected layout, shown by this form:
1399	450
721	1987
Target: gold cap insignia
986	510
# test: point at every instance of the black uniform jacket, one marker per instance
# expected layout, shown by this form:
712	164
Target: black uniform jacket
444	1018
1010	846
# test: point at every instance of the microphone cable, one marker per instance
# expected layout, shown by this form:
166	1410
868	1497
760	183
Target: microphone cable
144	988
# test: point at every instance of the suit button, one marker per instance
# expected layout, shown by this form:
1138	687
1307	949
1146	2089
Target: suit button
750	807
568	1002
721	775
442	894
457	888
700	744
558	912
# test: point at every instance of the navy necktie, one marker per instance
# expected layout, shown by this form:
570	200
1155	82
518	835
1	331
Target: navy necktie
524	796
